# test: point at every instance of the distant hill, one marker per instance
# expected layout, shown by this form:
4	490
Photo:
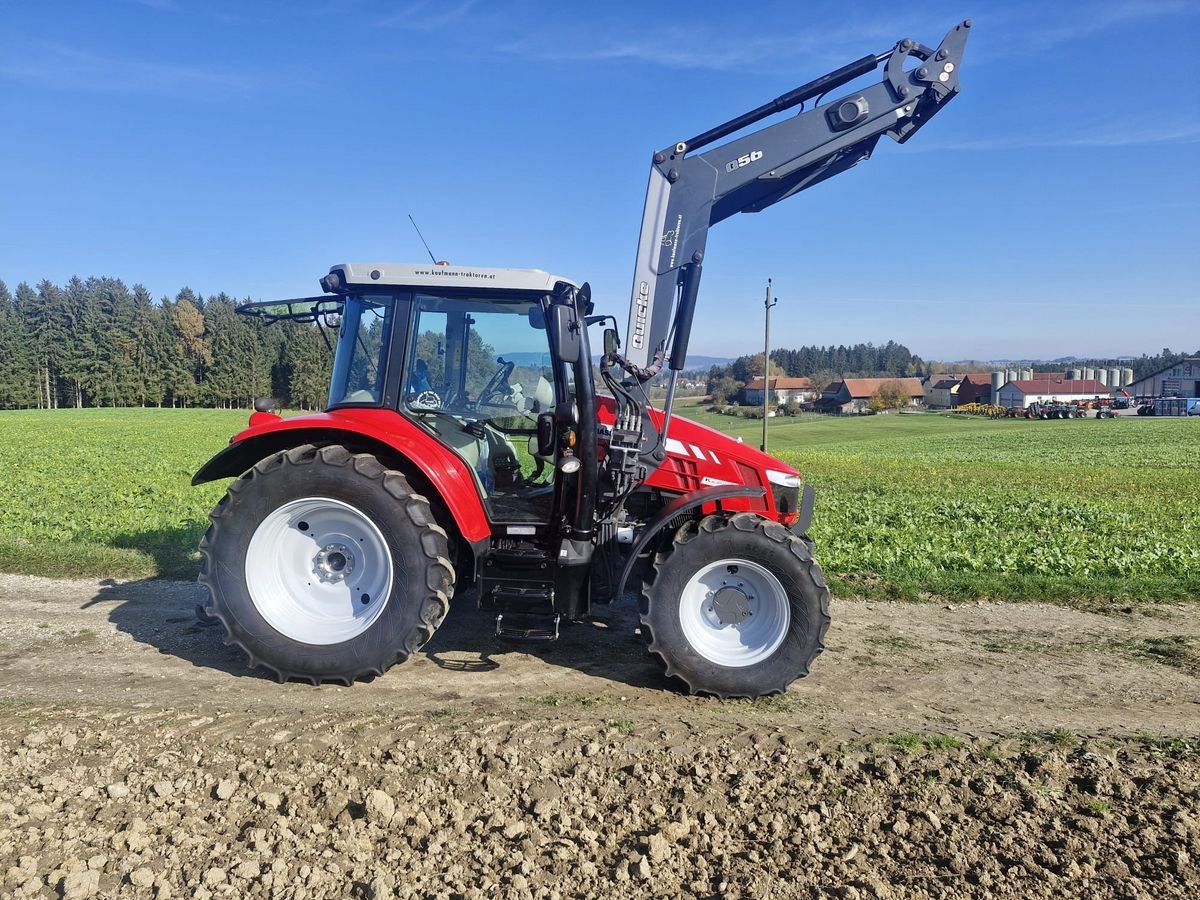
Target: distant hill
707	362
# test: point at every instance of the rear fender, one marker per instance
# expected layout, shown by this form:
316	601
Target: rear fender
435	471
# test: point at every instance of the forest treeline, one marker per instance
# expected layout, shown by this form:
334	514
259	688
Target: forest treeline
821	364
97	342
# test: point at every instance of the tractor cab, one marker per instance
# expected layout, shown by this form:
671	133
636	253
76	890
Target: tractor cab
467	355
474	369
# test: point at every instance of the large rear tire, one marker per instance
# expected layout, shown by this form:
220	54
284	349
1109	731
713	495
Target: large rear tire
324	565
735	606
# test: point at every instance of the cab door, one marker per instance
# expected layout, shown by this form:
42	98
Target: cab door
479	374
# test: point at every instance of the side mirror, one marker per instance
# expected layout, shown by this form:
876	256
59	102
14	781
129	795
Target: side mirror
611	342
567	340
545	435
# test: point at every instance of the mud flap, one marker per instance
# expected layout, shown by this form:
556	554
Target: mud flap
807	500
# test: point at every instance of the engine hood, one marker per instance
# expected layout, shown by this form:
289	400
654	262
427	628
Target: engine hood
689	438
698	456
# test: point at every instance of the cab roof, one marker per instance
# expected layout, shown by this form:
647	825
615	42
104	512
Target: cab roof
429	275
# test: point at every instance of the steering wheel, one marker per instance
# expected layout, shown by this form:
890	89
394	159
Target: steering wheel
427	400
499	377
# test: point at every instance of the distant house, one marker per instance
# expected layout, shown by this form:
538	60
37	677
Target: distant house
975	387
1020	394
783	391
941	392
853	395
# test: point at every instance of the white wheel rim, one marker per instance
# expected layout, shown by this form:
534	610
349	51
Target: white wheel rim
319	571
734	613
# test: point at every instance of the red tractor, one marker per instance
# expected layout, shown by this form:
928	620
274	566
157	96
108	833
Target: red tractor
465	442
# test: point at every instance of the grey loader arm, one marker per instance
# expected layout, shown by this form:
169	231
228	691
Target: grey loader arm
690	191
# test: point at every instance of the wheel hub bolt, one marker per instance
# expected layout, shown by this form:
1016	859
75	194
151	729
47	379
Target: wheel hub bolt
731	606
333	563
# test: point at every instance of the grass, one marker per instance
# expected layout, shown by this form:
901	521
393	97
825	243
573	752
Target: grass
447	712
775	704
108	492
908	507
1061	737
1175	650
1173	747
895	643
911	743
583	701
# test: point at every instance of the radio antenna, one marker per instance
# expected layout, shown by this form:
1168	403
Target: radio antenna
432	258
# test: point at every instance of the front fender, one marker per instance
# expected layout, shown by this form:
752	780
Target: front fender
384	433
676	507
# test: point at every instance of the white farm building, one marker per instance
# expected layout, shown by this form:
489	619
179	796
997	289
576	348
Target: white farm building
1020	394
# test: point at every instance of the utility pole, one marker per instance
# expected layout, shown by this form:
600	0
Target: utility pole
768	303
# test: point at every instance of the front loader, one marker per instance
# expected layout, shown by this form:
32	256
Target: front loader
465	443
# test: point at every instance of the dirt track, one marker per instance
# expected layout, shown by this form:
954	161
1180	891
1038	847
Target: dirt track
145	759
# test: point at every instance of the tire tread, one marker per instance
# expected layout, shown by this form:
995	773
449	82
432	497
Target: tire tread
714	524
439	573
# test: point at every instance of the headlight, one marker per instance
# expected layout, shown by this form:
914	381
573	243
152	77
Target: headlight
785	486
784	479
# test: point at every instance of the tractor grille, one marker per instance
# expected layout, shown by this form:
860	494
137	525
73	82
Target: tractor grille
684	470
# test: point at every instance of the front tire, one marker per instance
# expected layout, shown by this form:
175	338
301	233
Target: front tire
735	606
324	565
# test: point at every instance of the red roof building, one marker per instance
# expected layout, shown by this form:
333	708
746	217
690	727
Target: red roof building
853	395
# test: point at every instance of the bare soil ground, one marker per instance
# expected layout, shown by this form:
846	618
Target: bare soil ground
979	750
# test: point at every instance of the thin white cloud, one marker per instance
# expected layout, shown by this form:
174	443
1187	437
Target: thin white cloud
1032	30
427	15
65	68
162	5
709	47
1128	134
1079	23
1008	30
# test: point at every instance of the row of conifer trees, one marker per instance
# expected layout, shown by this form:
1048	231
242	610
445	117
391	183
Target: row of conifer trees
97	342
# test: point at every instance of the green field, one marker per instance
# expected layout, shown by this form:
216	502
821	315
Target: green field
907	506
108	492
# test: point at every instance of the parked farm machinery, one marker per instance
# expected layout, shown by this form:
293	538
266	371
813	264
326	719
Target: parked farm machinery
991	410
1100	408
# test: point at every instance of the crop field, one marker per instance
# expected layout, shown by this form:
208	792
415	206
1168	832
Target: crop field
924	506
963	507
107	492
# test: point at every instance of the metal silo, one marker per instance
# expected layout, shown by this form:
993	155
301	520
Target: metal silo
1027	374
1011	375
1089	373
1126	376
1114	377
1074	375
997	383
1102	376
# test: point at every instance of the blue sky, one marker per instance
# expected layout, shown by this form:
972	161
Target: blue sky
1053	208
